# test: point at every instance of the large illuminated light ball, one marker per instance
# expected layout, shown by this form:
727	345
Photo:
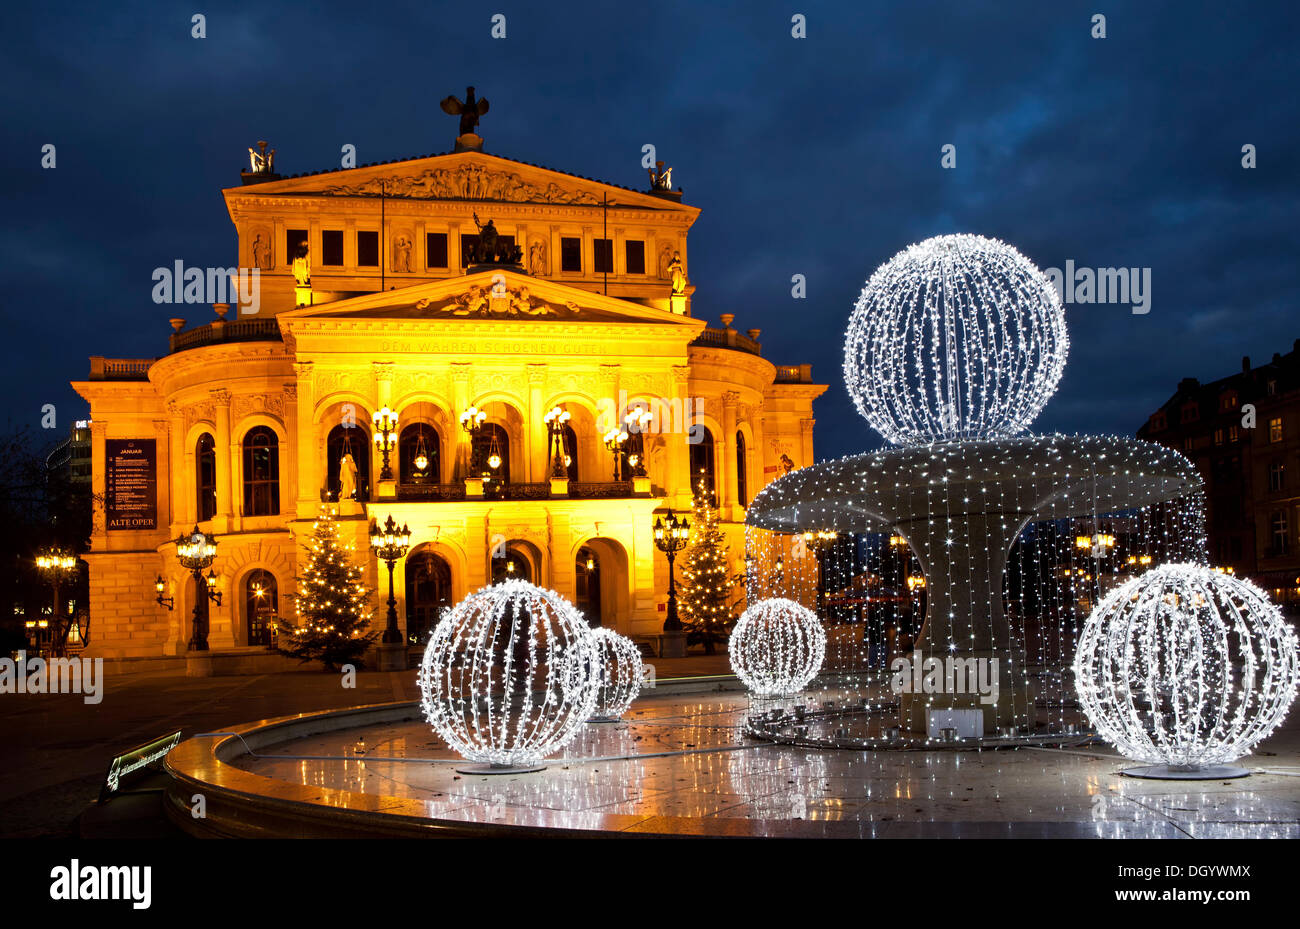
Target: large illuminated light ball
498	679
1185	667
957	337
618	674
777	647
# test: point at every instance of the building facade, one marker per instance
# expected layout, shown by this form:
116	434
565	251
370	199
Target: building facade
1243	433
432	287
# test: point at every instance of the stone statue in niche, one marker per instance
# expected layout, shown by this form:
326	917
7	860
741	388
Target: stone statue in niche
261	252
302	265
402	254
537	259
665	258
677	273
347	478
469	111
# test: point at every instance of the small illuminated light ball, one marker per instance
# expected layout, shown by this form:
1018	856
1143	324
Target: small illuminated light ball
1186	669
777	647
497	681
619	674
957	337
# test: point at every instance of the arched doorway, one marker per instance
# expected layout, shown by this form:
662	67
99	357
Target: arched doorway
261	607
428	593
419	455
702	479
586	587
348	439
491	455
512	564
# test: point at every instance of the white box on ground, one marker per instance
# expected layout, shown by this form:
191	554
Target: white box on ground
968	723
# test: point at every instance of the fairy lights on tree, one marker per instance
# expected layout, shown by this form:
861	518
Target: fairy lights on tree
777	647
957	337
620	670
332	603
507	677
1186	669
705	600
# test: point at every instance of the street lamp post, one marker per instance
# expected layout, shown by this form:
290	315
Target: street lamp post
637	421
389	544
197	551
385	421
471	421
56	565
555	421
614	440
671	535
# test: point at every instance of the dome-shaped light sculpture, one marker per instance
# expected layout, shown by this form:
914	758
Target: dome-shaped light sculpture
498	680
777	647
957	337
1186	669
619	671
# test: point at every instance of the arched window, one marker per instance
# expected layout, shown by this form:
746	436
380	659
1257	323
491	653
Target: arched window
261	472
492	441
586	588
571	451
742	490
348	439
205	466
261	606
419	456
511	566
702	464
428	593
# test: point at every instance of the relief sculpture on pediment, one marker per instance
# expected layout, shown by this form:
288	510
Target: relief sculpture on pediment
468	182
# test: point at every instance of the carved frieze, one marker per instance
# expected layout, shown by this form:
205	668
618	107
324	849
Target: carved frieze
467	182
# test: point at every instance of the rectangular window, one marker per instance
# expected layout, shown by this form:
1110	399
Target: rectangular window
1190	413
1278	526
331	248
1218	436
1234	434
603	255
1275	429
570	254
367	249
635	252
294	239
1188	444
468	244
1276	476
435	245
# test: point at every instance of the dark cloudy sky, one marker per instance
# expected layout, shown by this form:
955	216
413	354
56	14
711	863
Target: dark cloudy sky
818	156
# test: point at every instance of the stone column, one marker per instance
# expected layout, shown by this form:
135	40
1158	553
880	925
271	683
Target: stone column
225	452
182	489
535	436
384	490
460	399
309	478
724	458
289	488
806	443
679	455
609	377
169	466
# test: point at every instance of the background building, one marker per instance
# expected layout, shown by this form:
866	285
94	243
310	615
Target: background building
1243	433
401	300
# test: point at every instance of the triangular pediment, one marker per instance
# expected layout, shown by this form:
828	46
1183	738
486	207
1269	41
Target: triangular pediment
460	176
506	295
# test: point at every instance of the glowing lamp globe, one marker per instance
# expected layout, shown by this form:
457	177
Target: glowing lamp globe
957	337
619	674
498	680
1186	669
777	647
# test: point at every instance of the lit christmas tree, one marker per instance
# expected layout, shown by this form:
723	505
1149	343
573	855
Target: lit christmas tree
332	603
705	601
